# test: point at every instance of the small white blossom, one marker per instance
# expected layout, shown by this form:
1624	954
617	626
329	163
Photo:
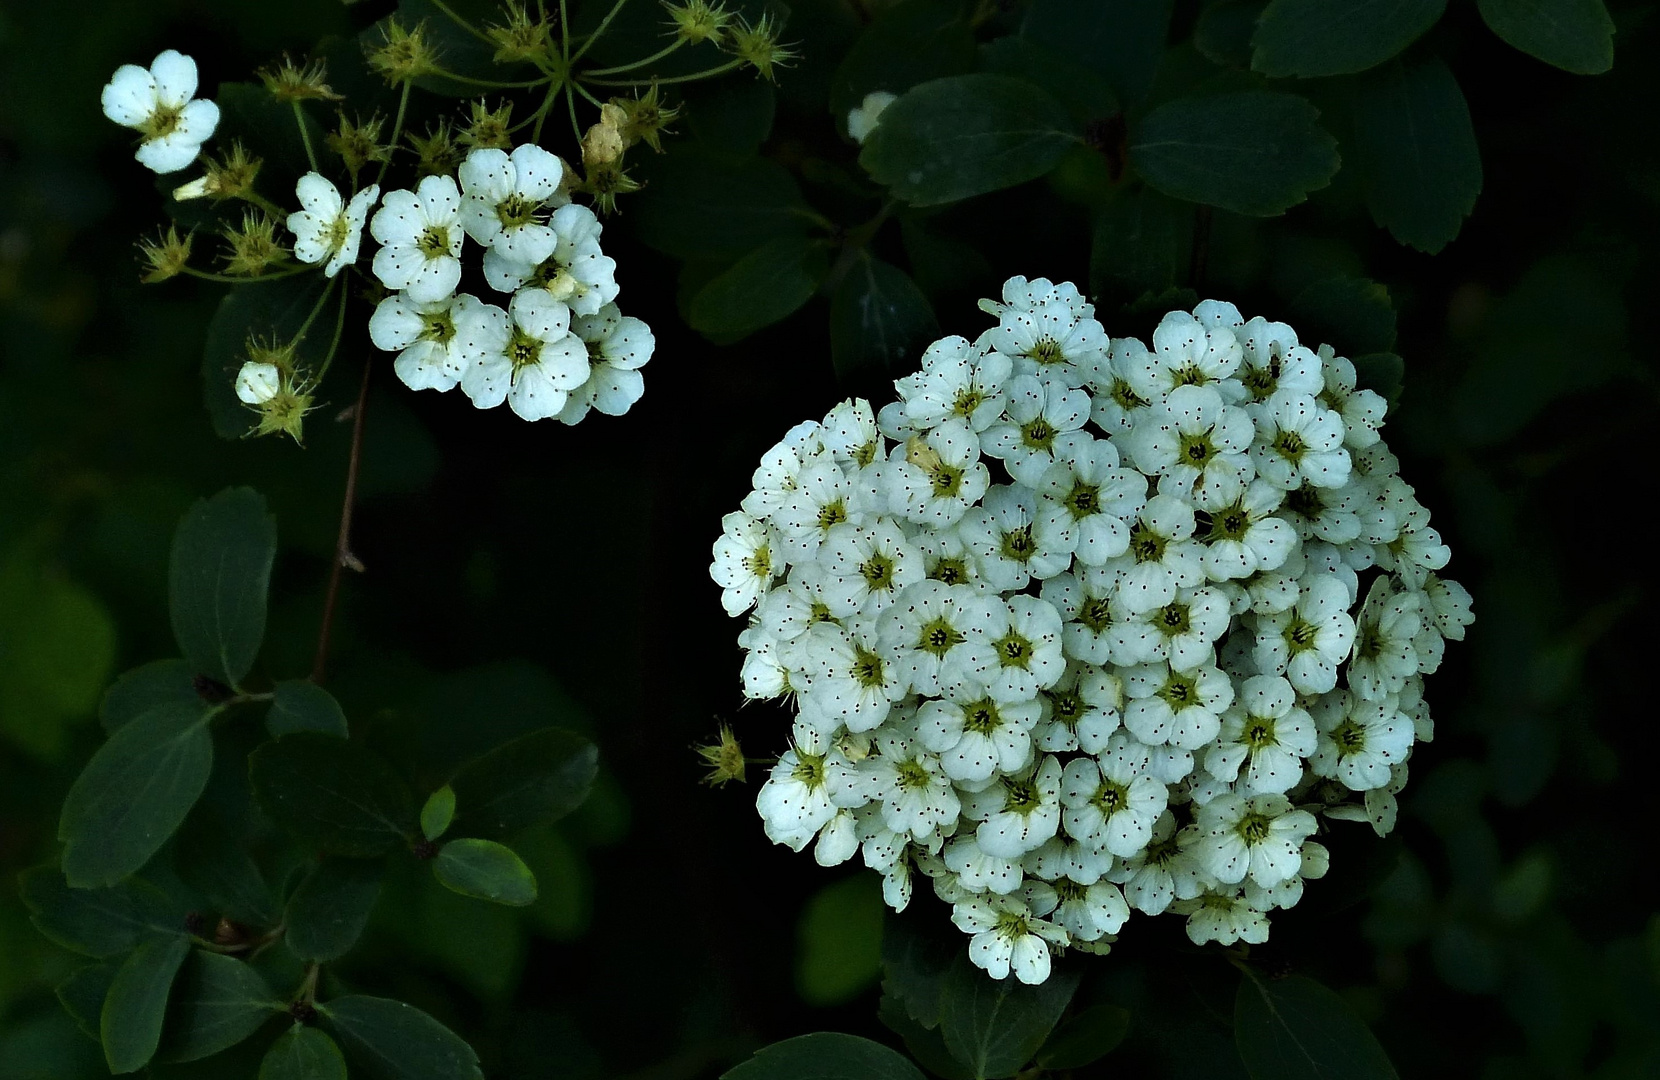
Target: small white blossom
161	104
327	229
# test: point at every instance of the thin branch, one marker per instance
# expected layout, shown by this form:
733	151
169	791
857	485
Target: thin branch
343	556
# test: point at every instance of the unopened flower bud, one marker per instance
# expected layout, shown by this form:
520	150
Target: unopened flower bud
257	383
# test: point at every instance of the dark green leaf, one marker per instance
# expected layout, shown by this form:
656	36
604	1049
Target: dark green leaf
211	858
732	116
485	870
97	922
1223	33
130	1024
1383	373
941	263
83	994
1084	1039
879	319
701	206
391	1040
910	43
1354	315
1121	39
133	795
438	812
264	310
161	682
765	286
248	112
1143	240
963	136
303	1053
327	913
1082	90
1308	38
332	794
1296	1029
1417	152
1253	152
995	1026
1574	35
535	779
826	1055
926	1045
302	705
218	1002
915	967
218	577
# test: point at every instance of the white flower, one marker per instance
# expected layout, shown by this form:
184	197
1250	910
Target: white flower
504	200
822	498
915	793
1019	812
975	736
1111	803
1259	835
618	346
979	872
326	228
1089	497
1080	711
1299	442
1194	439
810	782
1161	872
159	104
1085	603
852	679
1042	418
1246	536
861	120
775	478
959	381
1048	330
1012	542
1223	917
1117	408
1186	352
1160	557
420	235
1307	641
1089	912
1273	361
1024	634
929	629
525	356
257	383
1362	410
1359	740
870	564
936	477
425	336
744	565
1184	631
1007	937
575	272
1181	708
1264	738
1384	655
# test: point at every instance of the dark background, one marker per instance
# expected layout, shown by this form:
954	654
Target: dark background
523	574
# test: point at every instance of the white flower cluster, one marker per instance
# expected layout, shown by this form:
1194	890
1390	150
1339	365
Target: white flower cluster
1104	627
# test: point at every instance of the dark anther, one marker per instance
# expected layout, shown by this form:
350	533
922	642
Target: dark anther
211	690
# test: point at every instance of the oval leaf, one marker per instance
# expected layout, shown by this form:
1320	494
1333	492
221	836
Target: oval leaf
302	705
909	43
335	795
826	1055
303	1053
966	135
1310	38
533	780
83	994
995	1026
700	206
1296	1029
218	1002
327	913
1352	314
136	692
97	922
1086	1038
390	1040
218	576
765	286
130	1024
485	870
1123	40
133	794
1417	152
438	812
878	318
1253	152
1574	35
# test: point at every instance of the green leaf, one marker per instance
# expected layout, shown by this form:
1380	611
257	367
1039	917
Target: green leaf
266	310
438	812
912	42
765	286
731	116
1223	32
212	859
915	967
130	1024
1143	241
1310	38
160	682
958	137
879	319
1383	373
1254	152
1574	35
533	780
926	1045
303	1053
1081	89
1121	39
995	1026
57	642
1354	315
83	994
134	794
327	913
703	206
390	1040
332	794
97	922
1417	152
840	936
218	577
219	1001
1296	1029
302	705
485	870
249	112
1089	1036
825	1055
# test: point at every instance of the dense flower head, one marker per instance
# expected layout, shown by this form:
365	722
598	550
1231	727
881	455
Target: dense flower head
1080	627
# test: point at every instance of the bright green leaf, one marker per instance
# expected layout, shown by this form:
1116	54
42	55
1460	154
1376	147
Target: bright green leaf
533	780
703	206
1417	153
1296	1029
303	1053
826	1055
302	705
485	870
161	682
438	812
133	795
219	1001
97	922
1085	1038
218	576
840	938
83	993
879	319
912	42
130	1024
1254	152
1121	39
958	137
332	794
1309	38
764	287
327	913
995	1026
390	1040
1353	315
1574	35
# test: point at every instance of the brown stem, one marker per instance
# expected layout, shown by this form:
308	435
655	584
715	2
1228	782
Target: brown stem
343	556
